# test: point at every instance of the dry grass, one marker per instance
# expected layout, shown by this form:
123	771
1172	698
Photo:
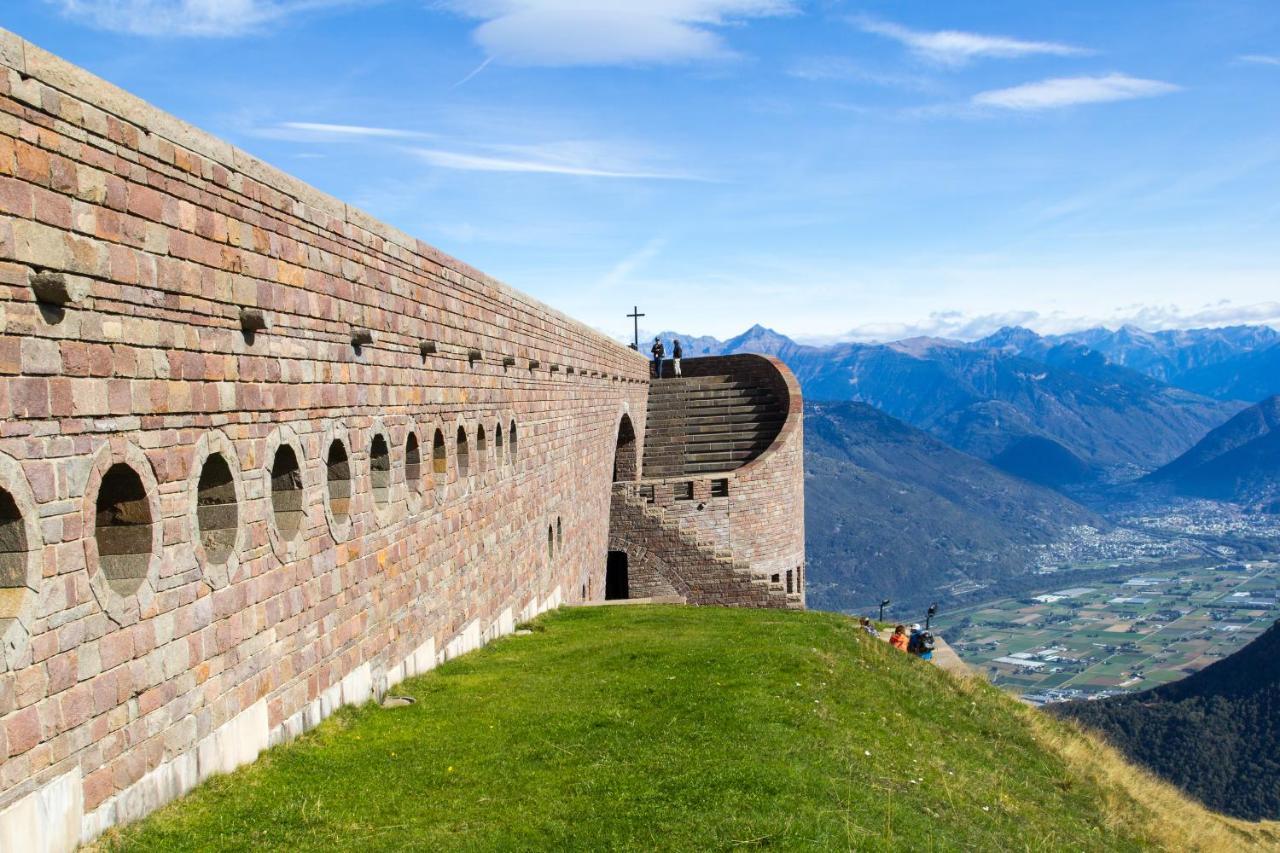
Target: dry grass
1137	801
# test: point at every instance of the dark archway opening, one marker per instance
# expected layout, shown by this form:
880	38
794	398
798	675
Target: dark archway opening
413	463
616	585
625	457
339	480
286	491
123	529
380	470
13	557
217	511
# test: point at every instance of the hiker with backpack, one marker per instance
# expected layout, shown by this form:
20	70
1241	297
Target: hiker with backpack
920	643
676	353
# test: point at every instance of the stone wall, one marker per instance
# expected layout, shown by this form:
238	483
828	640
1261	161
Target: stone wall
260	455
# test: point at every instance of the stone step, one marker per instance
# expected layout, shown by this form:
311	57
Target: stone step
709	394
750	411
708	424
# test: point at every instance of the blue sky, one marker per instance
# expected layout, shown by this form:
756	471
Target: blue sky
831	169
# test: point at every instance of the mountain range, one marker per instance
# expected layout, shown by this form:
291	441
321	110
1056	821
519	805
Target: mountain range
1052	411
1215	733
1233	363
1230	363
891	511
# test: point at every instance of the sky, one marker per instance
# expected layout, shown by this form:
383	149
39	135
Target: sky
832	170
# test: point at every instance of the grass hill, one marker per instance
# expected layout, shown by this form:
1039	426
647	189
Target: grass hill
1216	733
642	728
891	511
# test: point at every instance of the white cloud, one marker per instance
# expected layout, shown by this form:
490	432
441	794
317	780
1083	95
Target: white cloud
1069	91
954	47
541	160
622	32
962	326
1258	59
622	270
188	17
842	69
310	131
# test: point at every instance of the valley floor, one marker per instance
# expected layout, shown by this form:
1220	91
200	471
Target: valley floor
689	729
1117	634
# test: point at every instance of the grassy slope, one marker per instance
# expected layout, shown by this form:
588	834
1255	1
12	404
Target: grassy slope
680	728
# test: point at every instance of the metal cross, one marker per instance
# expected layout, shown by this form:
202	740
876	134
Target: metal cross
636	315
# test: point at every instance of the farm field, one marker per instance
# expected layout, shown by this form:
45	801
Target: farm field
1118	635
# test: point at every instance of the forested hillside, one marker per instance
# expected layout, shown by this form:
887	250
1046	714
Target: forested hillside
892	511
1216	733
1239	461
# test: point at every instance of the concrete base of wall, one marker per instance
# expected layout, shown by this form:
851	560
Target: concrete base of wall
52	819
47	820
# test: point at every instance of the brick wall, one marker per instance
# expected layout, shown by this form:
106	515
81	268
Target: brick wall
173	596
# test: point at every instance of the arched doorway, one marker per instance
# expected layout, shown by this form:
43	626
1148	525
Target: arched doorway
625	458
616	583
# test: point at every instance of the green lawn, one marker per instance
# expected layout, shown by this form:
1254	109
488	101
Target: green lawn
660	728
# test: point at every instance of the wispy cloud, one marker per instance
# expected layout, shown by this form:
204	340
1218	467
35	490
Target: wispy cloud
622	270
577	157
574	32
955	47
1259	59
842	69
307	131
189	17
535	160
1069	91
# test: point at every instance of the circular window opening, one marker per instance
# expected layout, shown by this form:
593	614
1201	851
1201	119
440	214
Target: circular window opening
380	469
439	459
339	481
122	529
512	438
413	463
217	512
13	557
286	491
497	445
464	455
482	447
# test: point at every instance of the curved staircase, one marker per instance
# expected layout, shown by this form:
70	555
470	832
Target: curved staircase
676	524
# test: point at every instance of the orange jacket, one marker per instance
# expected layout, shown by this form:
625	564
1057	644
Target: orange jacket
898	641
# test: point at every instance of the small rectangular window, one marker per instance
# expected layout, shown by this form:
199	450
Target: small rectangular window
790	586
684	491
646	492
719	488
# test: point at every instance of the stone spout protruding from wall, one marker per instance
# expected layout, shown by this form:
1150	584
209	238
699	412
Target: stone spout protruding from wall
361	338
51	288
253	320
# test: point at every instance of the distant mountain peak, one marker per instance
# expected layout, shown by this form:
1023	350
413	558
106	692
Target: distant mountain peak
1015	338
759	339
